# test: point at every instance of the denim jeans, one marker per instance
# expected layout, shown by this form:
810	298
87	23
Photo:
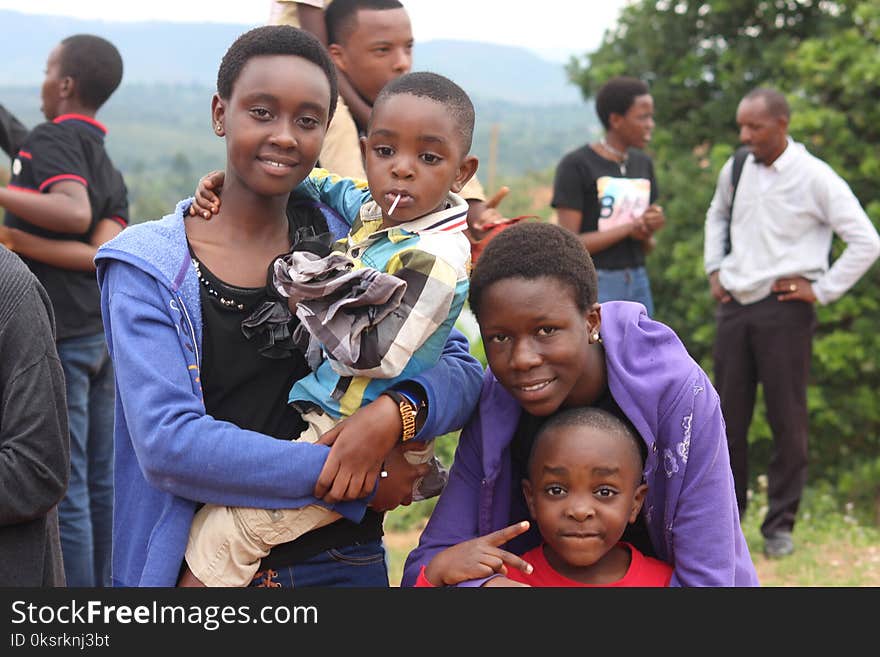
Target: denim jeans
86	512
358	565
626	285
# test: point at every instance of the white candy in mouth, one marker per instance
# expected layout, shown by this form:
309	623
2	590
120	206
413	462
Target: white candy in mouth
393	205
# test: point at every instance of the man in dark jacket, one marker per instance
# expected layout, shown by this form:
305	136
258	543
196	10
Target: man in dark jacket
34	440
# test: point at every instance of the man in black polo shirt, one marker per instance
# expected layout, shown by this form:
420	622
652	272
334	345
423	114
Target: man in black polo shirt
64	200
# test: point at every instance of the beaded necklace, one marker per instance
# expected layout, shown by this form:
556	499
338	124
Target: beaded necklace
226	303
624	156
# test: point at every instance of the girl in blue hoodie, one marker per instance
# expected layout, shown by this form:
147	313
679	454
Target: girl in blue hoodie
204	360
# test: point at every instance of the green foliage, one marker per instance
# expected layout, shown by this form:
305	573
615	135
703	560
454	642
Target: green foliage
700	58
833	547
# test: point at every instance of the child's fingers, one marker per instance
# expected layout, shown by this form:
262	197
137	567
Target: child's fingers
499	560
497	197
501	536
514	561
214	179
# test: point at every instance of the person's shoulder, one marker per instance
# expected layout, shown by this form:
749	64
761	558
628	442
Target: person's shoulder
583	153
628	333
45	133
650	571
16	282
154	238
808	163
13	272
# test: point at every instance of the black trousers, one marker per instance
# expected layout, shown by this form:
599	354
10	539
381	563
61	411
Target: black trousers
770	342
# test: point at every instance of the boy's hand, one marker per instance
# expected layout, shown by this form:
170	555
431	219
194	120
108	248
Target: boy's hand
485	215
207	197
397	488
478	557
359	445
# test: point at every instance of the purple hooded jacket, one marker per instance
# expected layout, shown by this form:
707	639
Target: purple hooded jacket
690	508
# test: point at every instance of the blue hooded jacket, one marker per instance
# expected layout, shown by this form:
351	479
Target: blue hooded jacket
169	454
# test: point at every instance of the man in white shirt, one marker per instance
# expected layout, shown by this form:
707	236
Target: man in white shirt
788	205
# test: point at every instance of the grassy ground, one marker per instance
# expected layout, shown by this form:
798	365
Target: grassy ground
831	548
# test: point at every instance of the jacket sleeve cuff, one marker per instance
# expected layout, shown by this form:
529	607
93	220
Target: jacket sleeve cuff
477	583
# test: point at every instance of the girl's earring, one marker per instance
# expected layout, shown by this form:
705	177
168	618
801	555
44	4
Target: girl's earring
218	128
595	337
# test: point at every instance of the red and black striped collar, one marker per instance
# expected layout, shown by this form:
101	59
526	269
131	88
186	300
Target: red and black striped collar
88	120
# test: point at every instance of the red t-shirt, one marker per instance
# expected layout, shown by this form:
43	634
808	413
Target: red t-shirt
642	571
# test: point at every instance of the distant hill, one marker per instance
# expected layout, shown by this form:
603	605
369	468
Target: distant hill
151	51
497	72
189	53
159	119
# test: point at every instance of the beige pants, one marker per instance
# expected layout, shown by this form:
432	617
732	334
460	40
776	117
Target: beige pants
226	543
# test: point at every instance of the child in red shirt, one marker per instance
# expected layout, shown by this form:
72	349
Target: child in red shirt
584	486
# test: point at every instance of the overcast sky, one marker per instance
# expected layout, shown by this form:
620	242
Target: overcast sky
554	28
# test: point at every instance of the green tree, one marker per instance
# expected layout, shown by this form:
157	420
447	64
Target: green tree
700	58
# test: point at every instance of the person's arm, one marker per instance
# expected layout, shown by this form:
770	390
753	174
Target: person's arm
483	215
708	547
596	241
654	219
848	219
717	232
65	208
480	210
34	442
718	220
344	195
12	132
568	197
64	254
474	559
386	348
181	449
448	391
455	518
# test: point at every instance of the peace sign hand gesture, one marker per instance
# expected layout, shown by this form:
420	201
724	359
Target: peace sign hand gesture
477	558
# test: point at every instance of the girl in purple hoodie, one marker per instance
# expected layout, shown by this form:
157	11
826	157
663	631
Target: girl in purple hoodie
550	346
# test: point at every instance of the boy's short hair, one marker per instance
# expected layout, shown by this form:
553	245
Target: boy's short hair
617	95
440	89
340	16
95	64
270	40
775	101
595	418
531	250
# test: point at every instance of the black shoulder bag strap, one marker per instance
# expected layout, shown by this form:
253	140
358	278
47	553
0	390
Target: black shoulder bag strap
739	159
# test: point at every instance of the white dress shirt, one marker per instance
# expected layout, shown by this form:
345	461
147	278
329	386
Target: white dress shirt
784	218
